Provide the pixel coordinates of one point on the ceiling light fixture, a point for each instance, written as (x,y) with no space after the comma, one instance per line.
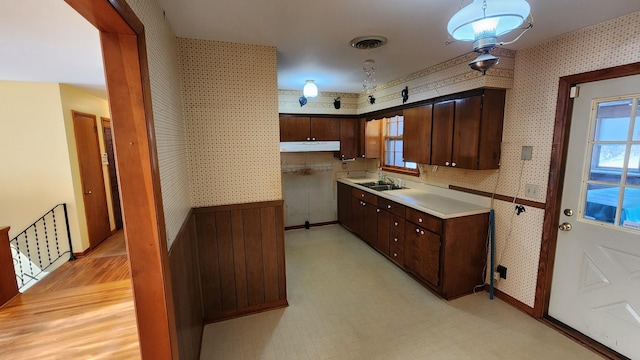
(310,89)
(483,21)
(369,67)
(369,83)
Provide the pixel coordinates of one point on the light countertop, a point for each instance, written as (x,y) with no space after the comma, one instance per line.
(441,206)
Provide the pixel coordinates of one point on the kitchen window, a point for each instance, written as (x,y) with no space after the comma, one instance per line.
(392,159)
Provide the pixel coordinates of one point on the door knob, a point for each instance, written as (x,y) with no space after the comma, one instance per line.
(565,226)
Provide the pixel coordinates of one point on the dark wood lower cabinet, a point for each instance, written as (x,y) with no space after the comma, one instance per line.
(383,231)
(241,256)
(357,216)
(422,253)
(370,225)
(446,255)
(344,205)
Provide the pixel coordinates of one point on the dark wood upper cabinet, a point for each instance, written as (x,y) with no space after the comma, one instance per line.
(417,134)
(491,129)
(442,133)
(325,129)
(306,128)
(295,128)
(348,138)
(467,132)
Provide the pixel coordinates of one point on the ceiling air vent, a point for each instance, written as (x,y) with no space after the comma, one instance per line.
(368,42)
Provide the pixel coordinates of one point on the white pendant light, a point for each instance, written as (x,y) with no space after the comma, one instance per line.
(310,89)
(483,21)
(488,17)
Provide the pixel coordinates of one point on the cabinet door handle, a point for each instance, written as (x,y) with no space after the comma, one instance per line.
(361,195)
(388,206)
(395,254)
(395,239)
(377,210)
(420,220)
(421,232)
(314,139)
(308,138)
(417,230)
(446,163)
(395,223)
(453,164)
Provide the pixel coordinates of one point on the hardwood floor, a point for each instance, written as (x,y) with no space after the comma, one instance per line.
(83,310)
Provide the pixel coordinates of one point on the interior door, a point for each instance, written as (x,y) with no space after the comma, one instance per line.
(113,172)
(94,193)
(596,277)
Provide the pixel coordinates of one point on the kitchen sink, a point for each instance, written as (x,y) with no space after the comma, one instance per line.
(368,184)
(380,187)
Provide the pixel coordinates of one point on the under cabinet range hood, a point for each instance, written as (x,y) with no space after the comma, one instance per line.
(308,146)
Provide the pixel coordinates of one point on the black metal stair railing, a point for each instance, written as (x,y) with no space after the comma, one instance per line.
(42,246)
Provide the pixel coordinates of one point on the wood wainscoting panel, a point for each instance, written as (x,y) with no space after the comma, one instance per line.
(241,254)
(187,294)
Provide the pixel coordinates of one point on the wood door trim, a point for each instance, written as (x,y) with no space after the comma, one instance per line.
(557,168)
(127,75)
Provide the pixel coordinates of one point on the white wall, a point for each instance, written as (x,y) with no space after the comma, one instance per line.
(36,172)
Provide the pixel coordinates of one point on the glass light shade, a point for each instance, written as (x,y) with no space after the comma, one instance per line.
(310,89)
(471,22)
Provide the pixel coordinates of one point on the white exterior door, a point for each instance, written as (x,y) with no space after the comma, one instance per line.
(596,277)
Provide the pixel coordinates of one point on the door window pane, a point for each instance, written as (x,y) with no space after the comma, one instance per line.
(612,121)
(634,158)
(630,216)
(602,202)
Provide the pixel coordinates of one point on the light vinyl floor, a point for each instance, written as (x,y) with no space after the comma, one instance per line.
(346,301)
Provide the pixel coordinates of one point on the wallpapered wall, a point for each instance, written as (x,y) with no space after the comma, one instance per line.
(167,114)
(230,99)
(449,77)
(529,119)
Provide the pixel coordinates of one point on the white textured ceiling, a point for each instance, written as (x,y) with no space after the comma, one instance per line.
(45,40)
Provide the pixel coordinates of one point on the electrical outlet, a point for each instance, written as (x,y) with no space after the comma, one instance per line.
(502,271)
(496,276)
(532,191)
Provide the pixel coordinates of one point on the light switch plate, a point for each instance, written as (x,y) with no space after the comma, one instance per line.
(532,191)
(527,152)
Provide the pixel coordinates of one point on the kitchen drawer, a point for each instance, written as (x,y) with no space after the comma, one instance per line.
(392,207)
(397,255)
(365,196)
(396,239)
(426,221)
(397,224)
